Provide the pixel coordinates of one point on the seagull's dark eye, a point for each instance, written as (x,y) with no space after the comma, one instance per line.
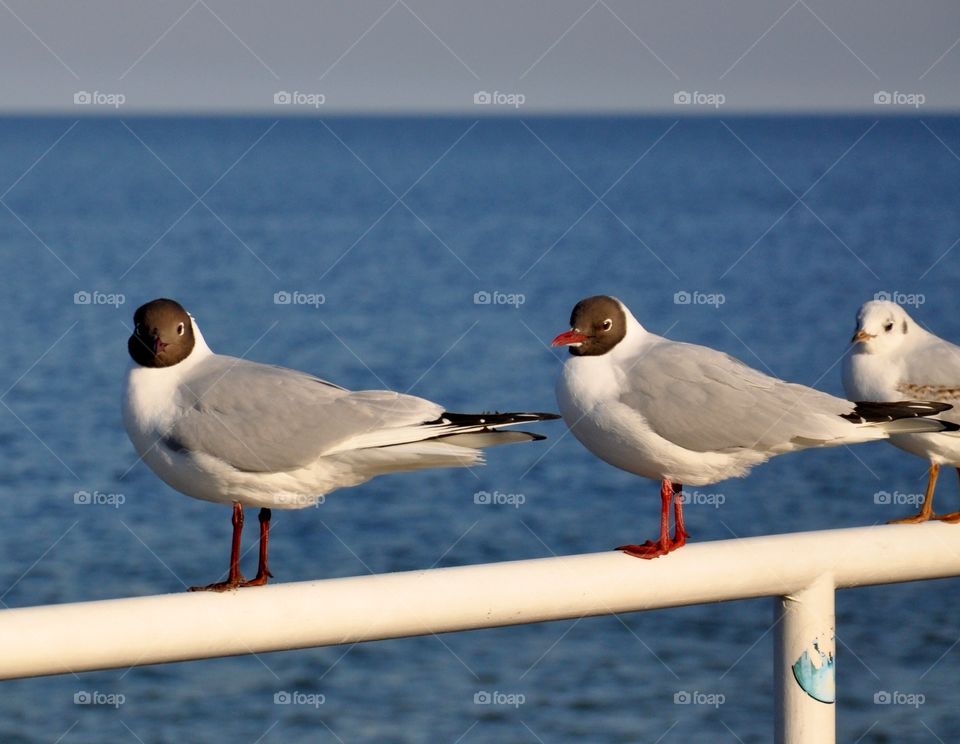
(606,325)
(180,329)
(888,326)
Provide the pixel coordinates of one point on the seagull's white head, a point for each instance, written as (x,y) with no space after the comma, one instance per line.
(883,327)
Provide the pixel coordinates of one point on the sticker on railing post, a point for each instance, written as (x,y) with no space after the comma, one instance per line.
(815,672)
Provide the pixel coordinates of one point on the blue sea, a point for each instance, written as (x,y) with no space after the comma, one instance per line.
(440,257)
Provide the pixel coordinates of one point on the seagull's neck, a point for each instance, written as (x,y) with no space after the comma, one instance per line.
(200,348)
(634,339)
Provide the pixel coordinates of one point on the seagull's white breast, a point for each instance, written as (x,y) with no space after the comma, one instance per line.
(872,377)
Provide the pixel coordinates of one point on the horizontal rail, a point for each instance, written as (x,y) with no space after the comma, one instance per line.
(121,633)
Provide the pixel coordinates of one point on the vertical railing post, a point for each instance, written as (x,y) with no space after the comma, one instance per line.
(804,658)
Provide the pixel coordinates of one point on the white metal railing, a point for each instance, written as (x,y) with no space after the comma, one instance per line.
(800,570)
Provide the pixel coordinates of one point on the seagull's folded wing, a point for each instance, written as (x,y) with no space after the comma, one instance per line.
(707,401)
(260,418)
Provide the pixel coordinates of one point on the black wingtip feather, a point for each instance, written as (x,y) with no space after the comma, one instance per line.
(871,412)
(491,419)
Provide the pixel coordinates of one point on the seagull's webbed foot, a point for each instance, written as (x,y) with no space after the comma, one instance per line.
(670,493)
(952,517)
(915,519)
(258,580)
(650,549)
(223,586)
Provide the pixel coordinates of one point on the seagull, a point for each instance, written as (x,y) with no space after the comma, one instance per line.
(892,358)
(232,431)
(686,414)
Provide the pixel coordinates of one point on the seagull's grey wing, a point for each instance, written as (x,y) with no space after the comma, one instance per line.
(932,372)
(261,418)
(707,401)
(936,363)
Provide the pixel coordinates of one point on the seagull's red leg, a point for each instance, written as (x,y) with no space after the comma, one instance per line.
(664,545)
(680,534)
(263,570)
(952,517)
(235,578)
(926,512)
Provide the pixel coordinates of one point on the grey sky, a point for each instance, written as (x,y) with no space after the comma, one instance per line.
(429,55)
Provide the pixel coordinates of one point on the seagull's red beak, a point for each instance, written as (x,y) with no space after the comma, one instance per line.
(158,345)
(568,338)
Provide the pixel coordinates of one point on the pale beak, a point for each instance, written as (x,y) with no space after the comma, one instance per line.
(861,337)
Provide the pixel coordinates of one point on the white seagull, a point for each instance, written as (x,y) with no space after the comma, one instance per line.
(681,413)
(893,358)
(229,430)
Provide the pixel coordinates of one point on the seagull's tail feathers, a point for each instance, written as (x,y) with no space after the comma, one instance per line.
(901,417)
(454,440)
(466,430)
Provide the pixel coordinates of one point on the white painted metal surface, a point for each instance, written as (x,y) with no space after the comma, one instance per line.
(802,569)
(804,655)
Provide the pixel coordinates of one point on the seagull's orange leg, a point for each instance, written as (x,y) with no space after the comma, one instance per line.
(680,534)
(263,570)
(926,512)
(952,517)
(235,578)
(664,545)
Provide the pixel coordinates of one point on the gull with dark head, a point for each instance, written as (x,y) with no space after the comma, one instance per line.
(232,431)
(686,414)
(893,357)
